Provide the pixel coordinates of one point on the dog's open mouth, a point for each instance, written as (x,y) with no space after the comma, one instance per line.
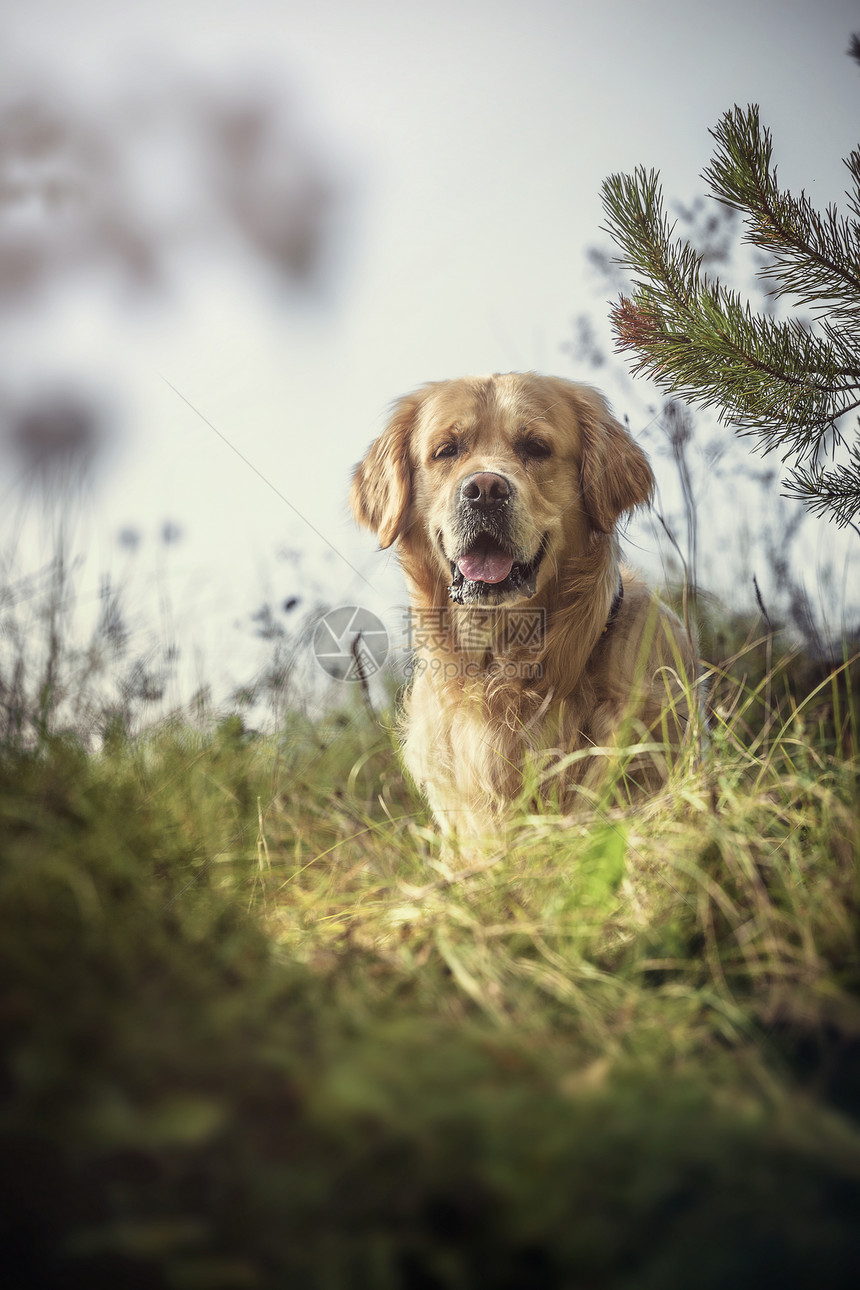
(488,571)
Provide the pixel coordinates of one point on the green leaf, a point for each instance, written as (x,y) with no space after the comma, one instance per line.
(601,867)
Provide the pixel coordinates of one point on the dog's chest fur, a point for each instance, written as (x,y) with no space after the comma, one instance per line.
(473,745)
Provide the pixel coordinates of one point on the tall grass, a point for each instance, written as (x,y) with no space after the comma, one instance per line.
(259,1032)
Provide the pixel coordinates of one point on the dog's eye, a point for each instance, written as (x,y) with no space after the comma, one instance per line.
(450,449)
(535,448)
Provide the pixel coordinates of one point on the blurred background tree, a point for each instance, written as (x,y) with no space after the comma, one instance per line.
(120,202)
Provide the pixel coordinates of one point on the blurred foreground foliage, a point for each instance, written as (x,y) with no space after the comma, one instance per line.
(255,1032)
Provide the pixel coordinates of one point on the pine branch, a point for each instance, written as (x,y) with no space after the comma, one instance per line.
(835,493)
(700,342)
(812,257)
(786,381)
(750,369)
(852,161)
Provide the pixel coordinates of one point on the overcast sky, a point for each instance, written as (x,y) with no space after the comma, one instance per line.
(467,141)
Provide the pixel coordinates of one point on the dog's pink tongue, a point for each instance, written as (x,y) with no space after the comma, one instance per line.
(485,566)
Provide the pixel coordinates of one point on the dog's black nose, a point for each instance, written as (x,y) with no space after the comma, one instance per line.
(485,490)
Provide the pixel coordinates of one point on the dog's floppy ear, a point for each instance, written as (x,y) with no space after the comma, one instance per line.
(382,483)
(616,476)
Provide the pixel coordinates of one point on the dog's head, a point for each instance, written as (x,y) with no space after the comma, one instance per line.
(491,481)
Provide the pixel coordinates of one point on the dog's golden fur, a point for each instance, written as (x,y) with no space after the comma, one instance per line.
(541,463)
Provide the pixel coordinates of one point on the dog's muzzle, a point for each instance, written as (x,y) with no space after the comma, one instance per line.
(489,567)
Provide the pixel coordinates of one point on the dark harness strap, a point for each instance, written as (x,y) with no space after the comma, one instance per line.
(616,605)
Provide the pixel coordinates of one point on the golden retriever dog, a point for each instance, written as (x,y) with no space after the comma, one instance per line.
(535,653)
